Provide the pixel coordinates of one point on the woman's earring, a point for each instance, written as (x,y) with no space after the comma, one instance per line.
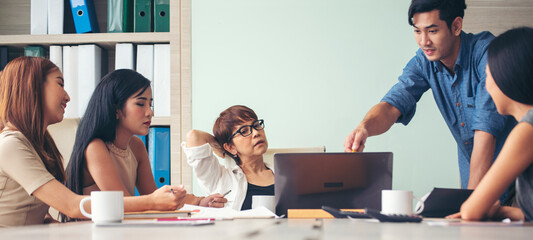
(234,155)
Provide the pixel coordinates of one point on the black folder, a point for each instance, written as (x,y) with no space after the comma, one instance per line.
(441,202)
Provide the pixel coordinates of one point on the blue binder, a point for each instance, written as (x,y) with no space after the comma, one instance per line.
(84,16)
(144,141)
(159,153)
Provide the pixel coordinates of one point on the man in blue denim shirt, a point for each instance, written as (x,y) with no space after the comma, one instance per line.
(451,63)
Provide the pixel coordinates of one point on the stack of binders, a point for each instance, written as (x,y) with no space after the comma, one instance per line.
(82,71)
(153,62)
(138,16)
(151,16)
(58,16)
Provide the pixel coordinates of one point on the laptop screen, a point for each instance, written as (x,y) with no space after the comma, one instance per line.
(340,180)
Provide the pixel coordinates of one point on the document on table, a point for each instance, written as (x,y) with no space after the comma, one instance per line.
(149,223)
(227,213)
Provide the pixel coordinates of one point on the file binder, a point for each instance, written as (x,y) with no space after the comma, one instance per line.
(56,56)
(143,16)
(124,56)
(70,74)
(161,83)
(145,61)
(39,17)
(89,73)
(34,51)
(68,20)
(119,16)
(56,9)
(159,153)
(143,138)
(3,58)
(161,16)
(84,16)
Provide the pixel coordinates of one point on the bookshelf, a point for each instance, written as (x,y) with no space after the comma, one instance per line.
(14,33)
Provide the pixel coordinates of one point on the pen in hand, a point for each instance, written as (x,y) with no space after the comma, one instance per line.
(223,195)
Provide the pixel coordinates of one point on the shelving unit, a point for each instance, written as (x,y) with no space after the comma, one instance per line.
(105,40)
(14,33)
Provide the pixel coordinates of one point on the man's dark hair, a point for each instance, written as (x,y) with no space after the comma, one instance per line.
(448,9)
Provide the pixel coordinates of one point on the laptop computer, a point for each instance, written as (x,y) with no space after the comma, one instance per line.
(339,180)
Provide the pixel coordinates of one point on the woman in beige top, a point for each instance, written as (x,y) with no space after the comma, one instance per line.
(31,171)
(107,155)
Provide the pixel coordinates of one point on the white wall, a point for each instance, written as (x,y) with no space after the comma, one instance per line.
(312,69)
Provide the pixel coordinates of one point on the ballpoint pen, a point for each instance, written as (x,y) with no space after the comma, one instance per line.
(223,195)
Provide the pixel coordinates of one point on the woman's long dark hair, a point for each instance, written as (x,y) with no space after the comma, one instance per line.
(100,118)
(510,59)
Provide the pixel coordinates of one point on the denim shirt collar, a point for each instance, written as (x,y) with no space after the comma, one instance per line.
(463,54)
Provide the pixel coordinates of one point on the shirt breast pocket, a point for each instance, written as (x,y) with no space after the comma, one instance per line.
(469,108)
(471,102)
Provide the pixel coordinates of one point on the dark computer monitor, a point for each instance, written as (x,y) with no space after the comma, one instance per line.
(340,180)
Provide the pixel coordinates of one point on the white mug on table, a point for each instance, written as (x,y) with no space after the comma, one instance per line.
(106,206)
(267,201)
(399,202)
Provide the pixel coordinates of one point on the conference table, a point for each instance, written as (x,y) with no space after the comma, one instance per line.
(308,229)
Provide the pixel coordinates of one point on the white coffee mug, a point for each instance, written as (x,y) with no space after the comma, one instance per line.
(106,206)
(399,202)
(267,201)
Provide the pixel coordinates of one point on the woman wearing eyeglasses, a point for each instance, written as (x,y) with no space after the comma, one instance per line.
(239,134)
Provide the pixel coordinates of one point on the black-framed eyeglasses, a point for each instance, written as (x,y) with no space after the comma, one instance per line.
(246,130)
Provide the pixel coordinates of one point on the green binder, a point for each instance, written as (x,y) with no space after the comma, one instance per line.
(34,51)
(161,16)
(119,15)
(143,16)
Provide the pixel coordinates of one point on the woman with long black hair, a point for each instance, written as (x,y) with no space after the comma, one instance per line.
(107,155)
(510,84)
